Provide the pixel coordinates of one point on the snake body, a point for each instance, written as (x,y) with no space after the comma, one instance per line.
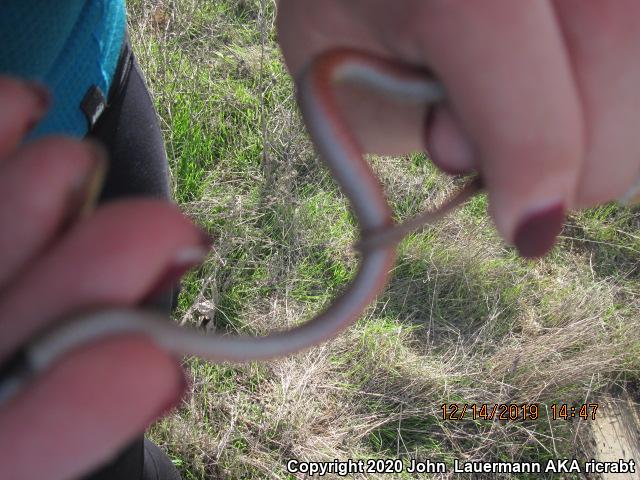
(341,153)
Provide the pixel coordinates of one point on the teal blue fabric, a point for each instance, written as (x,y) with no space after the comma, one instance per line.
(68,45)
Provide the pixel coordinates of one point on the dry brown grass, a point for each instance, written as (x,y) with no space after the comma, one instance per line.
(463,319)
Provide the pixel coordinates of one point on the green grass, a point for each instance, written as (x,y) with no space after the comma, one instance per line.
(463,319)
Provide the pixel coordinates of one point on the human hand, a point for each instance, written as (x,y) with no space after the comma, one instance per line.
(56,260)
(541,96)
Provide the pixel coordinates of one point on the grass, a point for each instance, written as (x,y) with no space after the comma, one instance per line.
(463,319)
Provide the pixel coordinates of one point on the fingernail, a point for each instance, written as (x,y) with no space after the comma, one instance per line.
(43,99)
(95,180)
(84,194)
(42,94)
(537,233)
(186,259)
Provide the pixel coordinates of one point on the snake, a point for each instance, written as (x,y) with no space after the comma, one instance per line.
(379,234)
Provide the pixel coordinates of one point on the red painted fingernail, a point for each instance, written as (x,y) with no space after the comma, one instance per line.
(186,259)
(166,281)
(31,124)
(43,99)
(537,233)
(42,94)
(428,125)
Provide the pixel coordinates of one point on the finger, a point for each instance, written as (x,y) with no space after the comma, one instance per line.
(446,143)
(86,407)
(386,126)
(508,80)
(117,257)
(602,38)
(42,188)
(380,124)
(23,105)
(510,83)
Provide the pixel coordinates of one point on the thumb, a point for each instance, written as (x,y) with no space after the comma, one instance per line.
(509,82)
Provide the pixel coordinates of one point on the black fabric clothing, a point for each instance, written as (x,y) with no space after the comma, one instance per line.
(130,131)
(157,465)
(128,464)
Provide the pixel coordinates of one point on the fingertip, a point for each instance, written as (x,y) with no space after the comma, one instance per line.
(537,232)
(445,143)
(41,95)
(529,205)
(24,104)
(181,393)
